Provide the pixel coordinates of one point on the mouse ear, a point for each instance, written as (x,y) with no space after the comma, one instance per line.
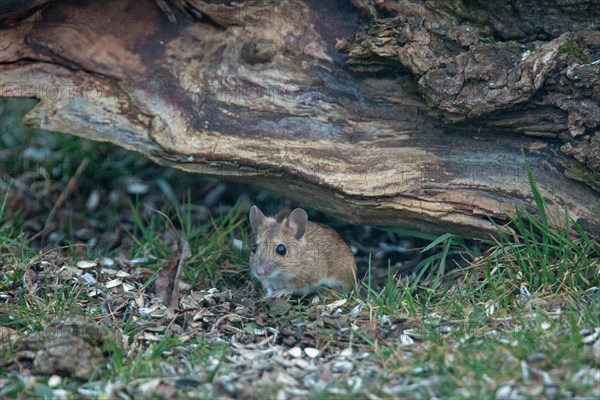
(297,222)
(256,217)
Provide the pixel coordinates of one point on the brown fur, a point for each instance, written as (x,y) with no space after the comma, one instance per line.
(320,256)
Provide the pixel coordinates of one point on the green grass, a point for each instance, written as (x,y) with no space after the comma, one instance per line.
(480,321)
(525,296)
(474,324)
(213,258)
(198,359)
(185,356)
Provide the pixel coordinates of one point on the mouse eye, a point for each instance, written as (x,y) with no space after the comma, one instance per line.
(254,247)
(281,250)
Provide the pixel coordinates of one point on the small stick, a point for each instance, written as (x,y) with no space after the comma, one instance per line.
(63,196)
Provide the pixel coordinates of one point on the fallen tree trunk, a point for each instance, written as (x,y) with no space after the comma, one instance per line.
(262,93)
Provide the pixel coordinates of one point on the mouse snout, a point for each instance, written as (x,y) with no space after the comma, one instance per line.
(263,269)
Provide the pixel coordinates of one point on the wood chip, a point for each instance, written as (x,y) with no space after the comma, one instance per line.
(151,337)
(336,304)
(139,300)
(295,352)
(86,264)
(312,352)
(113,283)
(70,269)
(127,287)
(123,274)
(108,271)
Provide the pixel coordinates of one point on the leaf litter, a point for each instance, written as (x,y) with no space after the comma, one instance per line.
(293,347)
(86,313)
(270,343)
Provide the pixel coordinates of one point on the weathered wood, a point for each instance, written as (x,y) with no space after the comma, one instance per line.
(547,89)
(259,93)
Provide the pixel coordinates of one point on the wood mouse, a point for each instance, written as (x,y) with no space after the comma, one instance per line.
(297,256)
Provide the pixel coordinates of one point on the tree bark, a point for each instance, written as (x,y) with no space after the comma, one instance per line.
(388,114)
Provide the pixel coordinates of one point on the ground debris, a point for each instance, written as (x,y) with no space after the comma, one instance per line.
(167,283)
(71,346)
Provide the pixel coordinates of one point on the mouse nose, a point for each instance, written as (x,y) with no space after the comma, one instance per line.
(263,269)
